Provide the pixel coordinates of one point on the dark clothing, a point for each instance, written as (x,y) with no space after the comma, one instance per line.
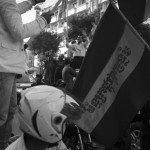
(145,117)
(145,114)
(77,62)
(58,74)
(50,67)
(67,75)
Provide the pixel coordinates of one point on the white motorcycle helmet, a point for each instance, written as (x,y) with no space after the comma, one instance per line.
(43,111)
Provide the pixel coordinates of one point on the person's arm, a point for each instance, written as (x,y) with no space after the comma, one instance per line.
(86,41)
(25,6)
(69,53)
(10,13)
(67,43)
(71,47)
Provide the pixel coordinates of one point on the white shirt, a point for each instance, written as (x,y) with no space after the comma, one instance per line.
(78,49)
(13,32)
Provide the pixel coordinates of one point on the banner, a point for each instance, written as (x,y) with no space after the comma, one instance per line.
(136,11)
(114,80)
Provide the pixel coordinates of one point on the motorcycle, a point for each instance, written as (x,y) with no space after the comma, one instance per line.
(140,129)
(77,139)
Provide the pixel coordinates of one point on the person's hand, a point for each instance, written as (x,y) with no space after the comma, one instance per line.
(47,16)
(37,1)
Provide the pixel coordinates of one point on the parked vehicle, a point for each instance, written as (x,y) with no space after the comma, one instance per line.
(136,132)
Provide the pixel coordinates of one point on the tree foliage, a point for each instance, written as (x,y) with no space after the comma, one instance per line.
(78,23)
(45,42)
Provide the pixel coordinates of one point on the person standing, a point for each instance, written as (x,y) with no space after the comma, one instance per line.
(58,70)
(79,50)
(68,73)
(12,57)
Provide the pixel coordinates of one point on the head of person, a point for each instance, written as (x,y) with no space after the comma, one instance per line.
(67,61)
(61,60)
(43,111)
(79,39)
(61,64)
(61,57)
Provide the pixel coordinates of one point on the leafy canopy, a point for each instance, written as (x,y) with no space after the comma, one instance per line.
(79,23)
(45,42)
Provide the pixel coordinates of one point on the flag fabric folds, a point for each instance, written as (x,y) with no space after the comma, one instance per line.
(136,11)
(114,80)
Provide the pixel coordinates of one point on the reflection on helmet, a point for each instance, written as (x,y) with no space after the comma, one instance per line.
(43,111)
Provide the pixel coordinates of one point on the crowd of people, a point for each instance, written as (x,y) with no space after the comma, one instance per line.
(13,32)
(42,110)
(62,71)
(65,74)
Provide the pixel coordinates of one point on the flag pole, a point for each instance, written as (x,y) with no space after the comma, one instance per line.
(67,18)
(55,6)
(130,26)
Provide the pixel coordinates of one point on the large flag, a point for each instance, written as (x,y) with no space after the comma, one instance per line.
(137,11)
(114,80)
